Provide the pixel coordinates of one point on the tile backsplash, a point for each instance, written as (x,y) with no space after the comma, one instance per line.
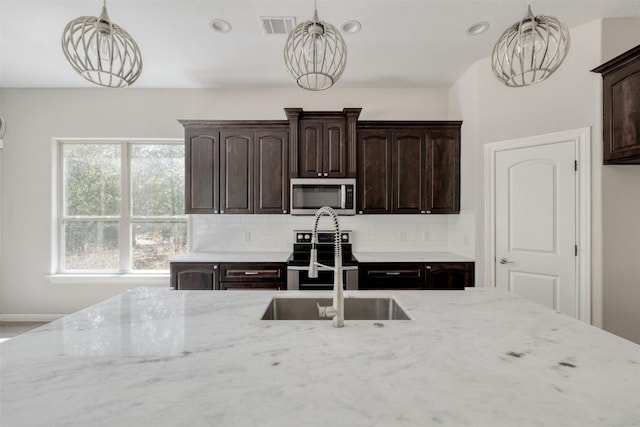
(371,233)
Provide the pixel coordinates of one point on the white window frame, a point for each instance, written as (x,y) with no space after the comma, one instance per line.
(124,275)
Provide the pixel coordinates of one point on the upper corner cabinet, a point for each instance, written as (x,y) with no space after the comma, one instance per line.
(621,108)
(323,144)
(409,167)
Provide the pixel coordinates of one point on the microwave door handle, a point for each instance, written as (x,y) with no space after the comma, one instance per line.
(343,194)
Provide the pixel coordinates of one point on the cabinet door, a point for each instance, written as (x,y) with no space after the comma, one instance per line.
(456,275)
(621,118)
(409,169)
(193,276)
(443,164)
(236,171)
(322,149)
(271,186)
(334,150)
(374,172)
(201,172)
(310,149)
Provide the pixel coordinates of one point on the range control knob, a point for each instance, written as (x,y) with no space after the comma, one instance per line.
(307,237)
(345,237)
(299,237)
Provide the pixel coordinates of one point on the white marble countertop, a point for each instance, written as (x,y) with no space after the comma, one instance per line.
(479,357)
(410,257)
(216,257)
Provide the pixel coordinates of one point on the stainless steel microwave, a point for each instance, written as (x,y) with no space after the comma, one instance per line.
(310,194)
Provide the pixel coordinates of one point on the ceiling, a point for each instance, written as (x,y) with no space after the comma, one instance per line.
(402,44)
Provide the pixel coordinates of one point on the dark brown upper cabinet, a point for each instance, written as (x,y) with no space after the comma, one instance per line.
(236,171)
(408,167)
(323,144)
(374,173)
(621,108)
(236,167)
(443,170)
(202,178)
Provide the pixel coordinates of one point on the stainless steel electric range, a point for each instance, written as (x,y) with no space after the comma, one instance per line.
(298,262)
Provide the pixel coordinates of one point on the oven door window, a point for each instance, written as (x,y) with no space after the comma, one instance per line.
(316,196)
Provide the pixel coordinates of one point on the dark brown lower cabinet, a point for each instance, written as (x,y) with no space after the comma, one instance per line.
(406,275)
(253,275)
(390,276)
(226,276)
(454,275)
(194,276)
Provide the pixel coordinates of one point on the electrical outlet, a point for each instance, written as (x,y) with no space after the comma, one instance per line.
(403,236)
(246,236)
(426,236)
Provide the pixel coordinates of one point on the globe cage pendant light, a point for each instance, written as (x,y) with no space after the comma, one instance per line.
(531,50)
(101,51)
(315,54)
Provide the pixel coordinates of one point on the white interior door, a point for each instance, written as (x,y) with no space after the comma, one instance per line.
(535,224)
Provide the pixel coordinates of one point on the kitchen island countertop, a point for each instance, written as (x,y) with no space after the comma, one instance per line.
(478,357)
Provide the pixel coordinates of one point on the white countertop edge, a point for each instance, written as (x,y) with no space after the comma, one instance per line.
(217,257)
(161,279)
(410,256)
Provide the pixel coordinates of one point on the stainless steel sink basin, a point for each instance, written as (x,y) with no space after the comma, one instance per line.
(354,309)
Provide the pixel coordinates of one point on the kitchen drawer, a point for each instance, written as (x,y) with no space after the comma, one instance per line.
(230,286)
(252,272)
(391,276)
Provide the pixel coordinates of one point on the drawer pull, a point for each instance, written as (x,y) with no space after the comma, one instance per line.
(392,273)
(251,273)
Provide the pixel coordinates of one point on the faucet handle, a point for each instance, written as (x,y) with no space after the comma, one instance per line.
(326,312)
(313,267)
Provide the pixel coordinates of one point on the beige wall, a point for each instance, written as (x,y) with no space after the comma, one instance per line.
(38,115)
(621,215)
(570,99)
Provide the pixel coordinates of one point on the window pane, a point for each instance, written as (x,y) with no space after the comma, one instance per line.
(91,245)
(155,243)
(91,179)
(157,179)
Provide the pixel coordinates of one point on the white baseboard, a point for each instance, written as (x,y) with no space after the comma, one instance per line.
(29,317)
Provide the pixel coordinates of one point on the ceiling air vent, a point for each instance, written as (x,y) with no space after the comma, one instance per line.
(277,25)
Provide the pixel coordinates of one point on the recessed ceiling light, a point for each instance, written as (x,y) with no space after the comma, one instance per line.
(477,28)
(351,27)
(220,25)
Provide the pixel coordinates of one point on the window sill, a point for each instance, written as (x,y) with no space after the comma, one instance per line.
(110,279)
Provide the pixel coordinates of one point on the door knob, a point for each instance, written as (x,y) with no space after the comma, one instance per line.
(503,260)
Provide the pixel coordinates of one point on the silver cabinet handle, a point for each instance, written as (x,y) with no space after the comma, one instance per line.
(392,273)
(251,273)
(326,174)
(319,173)
(503,260)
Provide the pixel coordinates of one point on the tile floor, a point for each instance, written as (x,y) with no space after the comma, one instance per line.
(9,330)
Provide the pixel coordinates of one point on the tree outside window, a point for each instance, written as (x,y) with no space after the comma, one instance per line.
(121,206)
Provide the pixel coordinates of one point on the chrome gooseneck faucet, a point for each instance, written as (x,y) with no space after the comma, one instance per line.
(336,311)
